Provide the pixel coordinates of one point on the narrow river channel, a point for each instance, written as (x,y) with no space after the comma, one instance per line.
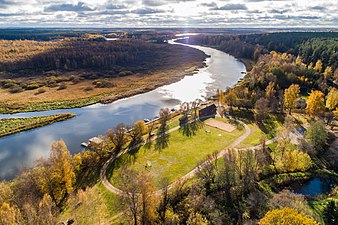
(20,150)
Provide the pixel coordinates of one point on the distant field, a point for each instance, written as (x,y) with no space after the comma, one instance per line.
(182,154)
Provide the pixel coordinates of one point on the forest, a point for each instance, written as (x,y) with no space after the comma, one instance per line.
(312,46)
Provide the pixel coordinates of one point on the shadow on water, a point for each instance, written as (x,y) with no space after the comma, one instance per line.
(314,187)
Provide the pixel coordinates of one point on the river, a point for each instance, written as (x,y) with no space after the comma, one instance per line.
(21,150)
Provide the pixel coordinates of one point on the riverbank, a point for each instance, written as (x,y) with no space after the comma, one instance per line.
(16,125)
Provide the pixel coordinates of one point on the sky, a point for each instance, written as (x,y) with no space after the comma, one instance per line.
(169,13)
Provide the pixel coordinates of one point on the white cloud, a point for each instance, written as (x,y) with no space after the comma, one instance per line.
(168,13)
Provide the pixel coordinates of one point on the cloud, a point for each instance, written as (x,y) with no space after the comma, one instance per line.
(69,7)
(145,11)
(231,7)
(211,5)
(6,3)
(318,8)
(167,13)
(275,11)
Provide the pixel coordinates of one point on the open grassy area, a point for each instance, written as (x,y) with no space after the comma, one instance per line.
(270,128)
(15,125)
(254,138)
(181,156)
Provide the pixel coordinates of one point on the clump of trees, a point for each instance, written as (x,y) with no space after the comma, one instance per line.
(286,216)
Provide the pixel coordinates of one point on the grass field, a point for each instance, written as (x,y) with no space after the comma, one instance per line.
(15,125)
(181,156)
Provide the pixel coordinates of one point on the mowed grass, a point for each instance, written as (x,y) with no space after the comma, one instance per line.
(181,156)
(254,138)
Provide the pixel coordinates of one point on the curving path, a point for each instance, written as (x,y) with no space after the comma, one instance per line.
(189,175)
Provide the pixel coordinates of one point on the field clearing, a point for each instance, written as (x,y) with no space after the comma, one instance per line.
(180,157)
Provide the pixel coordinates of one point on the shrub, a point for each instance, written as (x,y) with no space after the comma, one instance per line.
(88,89)
(40,91)
(32,86)
(8,85)
(62,86)
(125,73)
(103,84)
(16,89)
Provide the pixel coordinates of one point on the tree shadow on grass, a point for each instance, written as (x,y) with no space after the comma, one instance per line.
(162,141)
(190,129)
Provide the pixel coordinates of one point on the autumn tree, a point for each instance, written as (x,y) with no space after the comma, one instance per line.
(327,73)
(270,94)
(286,216)
(332,99)
(231,99)
(315,103)
(56,176)
(118,137)
(136,133)
(10,215)
(291,95)
(319,66)
(317,135)
(286,198)
(261,109)
(139,196)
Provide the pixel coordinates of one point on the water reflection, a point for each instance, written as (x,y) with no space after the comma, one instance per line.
(21,150)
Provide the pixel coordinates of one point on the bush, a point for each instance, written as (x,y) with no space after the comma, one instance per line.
(125,73)
(8,85)
(103,84)
(40,91)
(88,89)
(32,86)
(16,89)
(62,86)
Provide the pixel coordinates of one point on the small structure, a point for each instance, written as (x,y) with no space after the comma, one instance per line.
(207,112)
(94,140)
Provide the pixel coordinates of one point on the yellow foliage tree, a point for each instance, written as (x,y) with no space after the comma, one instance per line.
(315,103)
(56,177)
(332,99)
(319,65)
(328,72)
(286,216)
(290,97)
(10,215)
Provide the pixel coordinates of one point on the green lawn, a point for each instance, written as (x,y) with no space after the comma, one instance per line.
(254,138)
(269,128)
(182,154)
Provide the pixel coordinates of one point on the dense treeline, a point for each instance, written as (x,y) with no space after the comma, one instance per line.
(285,41)
(253,45)
(72,55)
(37,34)
(231,44)
(322,49)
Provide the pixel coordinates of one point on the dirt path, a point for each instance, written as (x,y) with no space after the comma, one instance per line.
(189,175)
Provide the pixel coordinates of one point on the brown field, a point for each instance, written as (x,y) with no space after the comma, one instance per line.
(124,86)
